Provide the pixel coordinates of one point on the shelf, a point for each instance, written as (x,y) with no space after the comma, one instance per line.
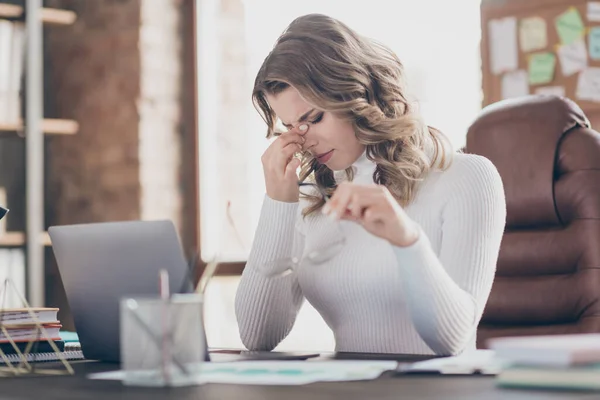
(16,239)
(49,126)
(49,15)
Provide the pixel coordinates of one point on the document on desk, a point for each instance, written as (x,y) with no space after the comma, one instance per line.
(481,362)
(279,372)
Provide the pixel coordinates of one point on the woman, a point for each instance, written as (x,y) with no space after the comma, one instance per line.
(401,257)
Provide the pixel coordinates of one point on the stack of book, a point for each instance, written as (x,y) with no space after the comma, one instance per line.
(23,328)
(552,361)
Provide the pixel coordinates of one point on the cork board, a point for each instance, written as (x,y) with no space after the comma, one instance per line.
(567,76)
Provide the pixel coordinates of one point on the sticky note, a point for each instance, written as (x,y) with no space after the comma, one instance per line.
(588,85)
(532,34)
(569,26)
(541,68)
(514,84)
(551,90)
(593,11)
(503,44)
(573,57)
(594,43)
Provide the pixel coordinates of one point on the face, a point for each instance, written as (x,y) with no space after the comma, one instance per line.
(331,140)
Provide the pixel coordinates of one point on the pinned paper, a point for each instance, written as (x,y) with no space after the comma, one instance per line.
(588,85)
(593,11)
(573,58)
(551,90)
(569,26)
(541,68)
(594,43)
(514,84)
(503,44)
(532,34)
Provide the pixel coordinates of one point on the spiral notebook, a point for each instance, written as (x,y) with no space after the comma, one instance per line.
(72,351)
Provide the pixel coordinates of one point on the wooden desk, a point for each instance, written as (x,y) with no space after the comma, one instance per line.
(417,387)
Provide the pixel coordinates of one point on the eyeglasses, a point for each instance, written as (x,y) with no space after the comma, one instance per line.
(327,249)
(332,244)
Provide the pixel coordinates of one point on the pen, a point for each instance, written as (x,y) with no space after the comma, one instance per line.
(163,282)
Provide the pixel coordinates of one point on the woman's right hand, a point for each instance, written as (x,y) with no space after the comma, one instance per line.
(280,165)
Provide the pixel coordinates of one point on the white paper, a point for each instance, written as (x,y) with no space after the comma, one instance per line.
(532,34)
(503,44)
(547,350)
(593,11)
(588,85)
(551,90)
(515,84)
(480,361)
(573,57)
(277,372)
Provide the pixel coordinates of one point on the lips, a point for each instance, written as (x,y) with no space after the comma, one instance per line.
(324,157)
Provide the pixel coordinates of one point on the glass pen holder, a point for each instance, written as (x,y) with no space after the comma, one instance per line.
(162,340)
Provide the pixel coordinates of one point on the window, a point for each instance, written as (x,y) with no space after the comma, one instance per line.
(437,40)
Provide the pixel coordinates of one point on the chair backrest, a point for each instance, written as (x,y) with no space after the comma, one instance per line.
(548,273)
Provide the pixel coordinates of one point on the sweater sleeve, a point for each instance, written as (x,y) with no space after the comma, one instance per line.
(446,295)
(266,306)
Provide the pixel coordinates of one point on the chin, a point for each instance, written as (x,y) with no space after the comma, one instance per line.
(334,165)
(340,161)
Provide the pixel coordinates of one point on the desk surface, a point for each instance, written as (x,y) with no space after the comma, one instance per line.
(421,387)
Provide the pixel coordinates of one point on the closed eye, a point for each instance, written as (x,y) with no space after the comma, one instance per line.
(318,118)
(315,120)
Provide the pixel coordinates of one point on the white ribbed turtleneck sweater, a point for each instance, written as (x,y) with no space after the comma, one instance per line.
(425,298)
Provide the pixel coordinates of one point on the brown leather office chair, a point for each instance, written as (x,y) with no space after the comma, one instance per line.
(548,273)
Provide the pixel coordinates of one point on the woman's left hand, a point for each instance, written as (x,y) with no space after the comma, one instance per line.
(374,207)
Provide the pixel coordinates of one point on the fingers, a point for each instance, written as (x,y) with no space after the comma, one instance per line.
(347,199)
(336,207)
(286,138)
(288,151)
(292,166)
(360,202)
(351,201)
(286,155)
(302,129)
(288,144)
(373,215)
(349,217)
(280,153)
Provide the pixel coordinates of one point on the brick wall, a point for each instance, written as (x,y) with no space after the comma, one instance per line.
(93,73)
(119,71)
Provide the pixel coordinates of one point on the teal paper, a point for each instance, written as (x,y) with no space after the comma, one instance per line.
(569,26)
(594,40)
(68,336)
(541,68)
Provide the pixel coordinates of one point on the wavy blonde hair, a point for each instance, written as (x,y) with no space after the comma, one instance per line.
(360,81)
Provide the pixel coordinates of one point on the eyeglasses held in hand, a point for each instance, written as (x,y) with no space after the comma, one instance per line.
(325,251)
(333,243)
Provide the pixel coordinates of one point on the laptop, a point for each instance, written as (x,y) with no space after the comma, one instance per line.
(101,263)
